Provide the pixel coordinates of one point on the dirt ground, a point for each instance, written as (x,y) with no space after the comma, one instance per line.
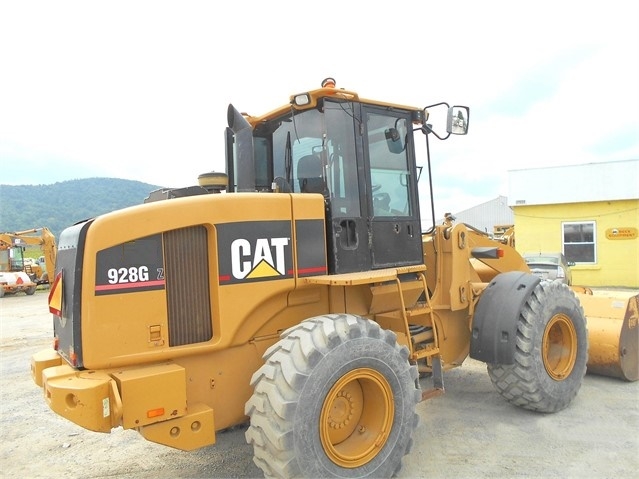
(469,432)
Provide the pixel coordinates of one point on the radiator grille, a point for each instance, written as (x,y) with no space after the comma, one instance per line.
(187,283)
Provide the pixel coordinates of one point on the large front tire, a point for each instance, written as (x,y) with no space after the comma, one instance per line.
(336,397)
(551,351)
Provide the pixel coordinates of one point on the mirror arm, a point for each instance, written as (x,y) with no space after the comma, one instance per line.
(426,129)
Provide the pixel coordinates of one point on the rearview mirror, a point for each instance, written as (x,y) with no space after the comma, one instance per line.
(394,140)
(457,121)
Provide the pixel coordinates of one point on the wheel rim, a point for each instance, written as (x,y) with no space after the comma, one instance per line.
(559,348)
(357,417)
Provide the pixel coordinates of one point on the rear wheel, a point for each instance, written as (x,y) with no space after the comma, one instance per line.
(336,397)
(551,351)
(30,290)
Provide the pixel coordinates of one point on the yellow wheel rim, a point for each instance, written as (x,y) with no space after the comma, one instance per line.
(356,417)
(559,347)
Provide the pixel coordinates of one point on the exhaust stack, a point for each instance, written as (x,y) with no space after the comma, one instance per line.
(243,150)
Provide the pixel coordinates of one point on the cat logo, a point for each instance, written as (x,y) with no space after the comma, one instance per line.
(255,251)
(265,258)
(263,250)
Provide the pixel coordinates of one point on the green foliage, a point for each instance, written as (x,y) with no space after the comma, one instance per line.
(64,203)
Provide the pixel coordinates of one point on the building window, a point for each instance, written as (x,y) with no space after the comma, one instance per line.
(579,242)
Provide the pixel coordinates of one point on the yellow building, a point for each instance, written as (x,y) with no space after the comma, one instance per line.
(589,212)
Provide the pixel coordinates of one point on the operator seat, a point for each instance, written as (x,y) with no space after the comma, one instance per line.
(310,174)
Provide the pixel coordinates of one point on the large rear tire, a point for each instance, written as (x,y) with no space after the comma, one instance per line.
(336,397)
(551,351)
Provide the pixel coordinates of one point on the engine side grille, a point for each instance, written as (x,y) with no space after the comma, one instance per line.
(187,283)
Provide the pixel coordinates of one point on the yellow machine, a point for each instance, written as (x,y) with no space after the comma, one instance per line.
(16,274)
(305,299)
(504,234)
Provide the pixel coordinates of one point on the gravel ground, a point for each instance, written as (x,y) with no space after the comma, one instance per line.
(469,432)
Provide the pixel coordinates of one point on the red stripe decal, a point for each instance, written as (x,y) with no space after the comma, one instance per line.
(140,284)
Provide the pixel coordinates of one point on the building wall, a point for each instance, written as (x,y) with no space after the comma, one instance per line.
(539,228)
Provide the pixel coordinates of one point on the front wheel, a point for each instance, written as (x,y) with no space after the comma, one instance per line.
(551,351)
(336,397)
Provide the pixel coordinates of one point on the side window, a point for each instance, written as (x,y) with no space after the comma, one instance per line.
(579,242)
(388,165)
(308,166)
(297,147)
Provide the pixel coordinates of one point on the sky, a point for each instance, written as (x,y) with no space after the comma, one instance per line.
(139,89)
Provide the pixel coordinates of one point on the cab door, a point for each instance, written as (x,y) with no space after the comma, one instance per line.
(348,245)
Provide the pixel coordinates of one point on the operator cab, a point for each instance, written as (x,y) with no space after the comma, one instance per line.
(357,153)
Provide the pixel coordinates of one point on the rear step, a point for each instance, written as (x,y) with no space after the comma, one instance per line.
(438,380)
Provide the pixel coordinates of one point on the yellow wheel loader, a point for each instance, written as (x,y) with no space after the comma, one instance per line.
(298,292)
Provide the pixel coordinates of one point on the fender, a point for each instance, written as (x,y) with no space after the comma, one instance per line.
(494,325)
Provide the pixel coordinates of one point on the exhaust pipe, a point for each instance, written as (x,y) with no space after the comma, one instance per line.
(613,335)
(243,150)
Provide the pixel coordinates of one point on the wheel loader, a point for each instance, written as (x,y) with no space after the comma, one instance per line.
(298,293)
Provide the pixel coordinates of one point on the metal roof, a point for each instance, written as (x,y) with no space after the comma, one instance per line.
(606,181)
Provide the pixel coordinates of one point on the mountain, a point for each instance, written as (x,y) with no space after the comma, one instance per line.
(64,203)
